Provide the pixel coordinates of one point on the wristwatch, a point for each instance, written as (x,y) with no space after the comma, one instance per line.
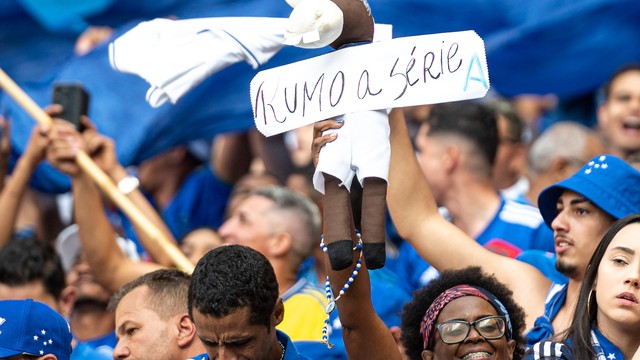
(128,184)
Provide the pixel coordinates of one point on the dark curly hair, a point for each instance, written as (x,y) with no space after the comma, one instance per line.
(230,278)
(413,311)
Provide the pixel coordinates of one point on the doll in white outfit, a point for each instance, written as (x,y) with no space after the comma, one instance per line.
(362,148)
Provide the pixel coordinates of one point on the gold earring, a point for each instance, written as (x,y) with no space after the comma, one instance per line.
(589,305)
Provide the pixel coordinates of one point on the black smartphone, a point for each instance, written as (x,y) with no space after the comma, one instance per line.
(74,99)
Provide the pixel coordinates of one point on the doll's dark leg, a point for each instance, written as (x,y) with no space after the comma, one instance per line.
(336,213)
(374,196)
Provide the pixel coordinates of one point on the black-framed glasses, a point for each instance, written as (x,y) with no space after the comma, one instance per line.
(456,331)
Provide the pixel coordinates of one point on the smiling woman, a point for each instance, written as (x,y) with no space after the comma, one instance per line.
(463,314)
(609,296)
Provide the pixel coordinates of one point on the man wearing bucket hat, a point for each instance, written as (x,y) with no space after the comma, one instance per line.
(579,209)
(29,327)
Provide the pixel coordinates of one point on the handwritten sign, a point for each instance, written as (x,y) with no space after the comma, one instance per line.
(406,71)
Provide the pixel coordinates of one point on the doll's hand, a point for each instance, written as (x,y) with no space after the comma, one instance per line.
(319,139)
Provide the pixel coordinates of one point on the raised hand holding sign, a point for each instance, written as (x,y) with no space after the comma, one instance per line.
(359,84)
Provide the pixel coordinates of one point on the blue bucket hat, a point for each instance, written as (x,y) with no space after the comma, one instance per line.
(606,180)
(31,327)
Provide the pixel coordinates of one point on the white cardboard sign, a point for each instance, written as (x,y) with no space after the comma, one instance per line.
(400,72)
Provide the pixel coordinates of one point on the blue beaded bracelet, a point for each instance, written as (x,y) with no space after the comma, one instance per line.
(331,301)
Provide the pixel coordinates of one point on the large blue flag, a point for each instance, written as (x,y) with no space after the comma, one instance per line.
(119,110)
(564,47)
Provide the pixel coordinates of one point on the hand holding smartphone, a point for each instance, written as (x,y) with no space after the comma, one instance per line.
(74,100)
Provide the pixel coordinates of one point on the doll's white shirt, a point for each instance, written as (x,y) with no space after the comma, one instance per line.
(362,148)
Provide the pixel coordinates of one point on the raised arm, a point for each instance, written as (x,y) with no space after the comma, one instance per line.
(438,241)
(97,237)
(12,193)
(231,156)
(102,151)
(365,335)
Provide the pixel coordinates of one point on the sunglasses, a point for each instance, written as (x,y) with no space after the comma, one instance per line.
(456,331)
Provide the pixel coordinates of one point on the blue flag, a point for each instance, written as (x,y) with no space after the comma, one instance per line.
(564,47)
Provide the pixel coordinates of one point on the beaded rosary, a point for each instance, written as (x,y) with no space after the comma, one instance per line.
(331,301)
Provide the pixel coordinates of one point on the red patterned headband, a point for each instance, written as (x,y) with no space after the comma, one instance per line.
(428,323)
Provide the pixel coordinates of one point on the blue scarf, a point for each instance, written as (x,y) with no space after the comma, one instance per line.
(549,349)
(542,328)
(603,347)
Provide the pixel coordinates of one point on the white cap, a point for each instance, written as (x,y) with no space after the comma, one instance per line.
(68,246)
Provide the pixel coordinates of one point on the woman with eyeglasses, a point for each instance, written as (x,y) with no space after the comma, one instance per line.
(606,323)
(461,315)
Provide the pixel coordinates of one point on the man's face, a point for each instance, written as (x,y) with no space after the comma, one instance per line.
(199,242)
(250,224)
(510,156)
(431,157)
(578,229)
(81,277)
(141,333)
(619,116)
(234,337)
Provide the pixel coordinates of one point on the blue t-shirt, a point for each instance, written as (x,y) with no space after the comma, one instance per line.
(97,349)
(200,202)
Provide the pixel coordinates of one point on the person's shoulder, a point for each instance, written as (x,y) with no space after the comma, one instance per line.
(545,262)
(304,291)
(521,214)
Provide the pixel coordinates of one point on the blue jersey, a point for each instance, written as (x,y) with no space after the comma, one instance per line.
(516,227)
(96,349)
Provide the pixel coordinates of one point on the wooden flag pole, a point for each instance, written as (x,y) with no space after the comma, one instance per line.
(101,179)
